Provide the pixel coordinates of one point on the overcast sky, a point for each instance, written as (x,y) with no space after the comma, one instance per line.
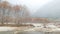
(33,5)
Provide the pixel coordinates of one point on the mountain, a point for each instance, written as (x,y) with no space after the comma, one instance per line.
(51,10)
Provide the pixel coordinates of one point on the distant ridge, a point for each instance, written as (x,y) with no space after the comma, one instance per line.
(51,10)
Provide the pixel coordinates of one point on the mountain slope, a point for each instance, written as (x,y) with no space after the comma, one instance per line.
(49,10)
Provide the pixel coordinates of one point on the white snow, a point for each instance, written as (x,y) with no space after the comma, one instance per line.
(7,28)
(38,25)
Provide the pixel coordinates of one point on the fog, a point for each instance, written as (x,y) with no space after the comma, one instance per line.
(33,5)
(40,8)
(51,10)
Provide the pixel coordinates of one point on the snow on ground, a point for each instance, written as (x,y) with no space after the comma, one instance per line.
(51,27)
(38,27)
(7,28)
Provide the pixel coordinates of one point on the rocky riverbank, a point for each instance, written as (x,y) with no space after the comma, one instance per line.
(50,27)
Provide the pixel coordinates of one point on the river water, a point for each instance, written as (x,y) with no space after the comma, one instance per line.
(10,32)
(7,32)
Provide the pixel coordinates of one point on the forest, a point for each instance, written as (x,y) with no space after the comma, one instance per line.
(17,14)
(12,13)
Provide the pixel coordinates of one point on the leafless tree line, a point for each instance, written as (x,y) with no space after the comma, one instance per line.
(12,13)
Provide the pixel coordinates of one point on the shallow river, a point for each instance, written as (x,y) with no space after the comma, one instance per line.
(22,32)
(6,32)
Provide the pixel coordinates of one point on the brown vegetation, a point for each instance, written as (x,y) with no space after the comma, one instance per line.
(11,14)
(17,14)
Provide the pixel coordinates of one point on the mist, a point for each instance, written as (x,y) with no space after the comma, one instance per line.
(40,8)
(33,5)
(50,10)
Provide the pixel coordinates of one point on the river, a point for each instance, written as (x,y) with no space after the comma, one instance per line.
(10,32)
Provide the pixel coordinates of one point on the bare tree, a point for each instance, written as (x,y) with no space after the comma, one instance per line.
(3,9)
(10,13)
(24,11)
